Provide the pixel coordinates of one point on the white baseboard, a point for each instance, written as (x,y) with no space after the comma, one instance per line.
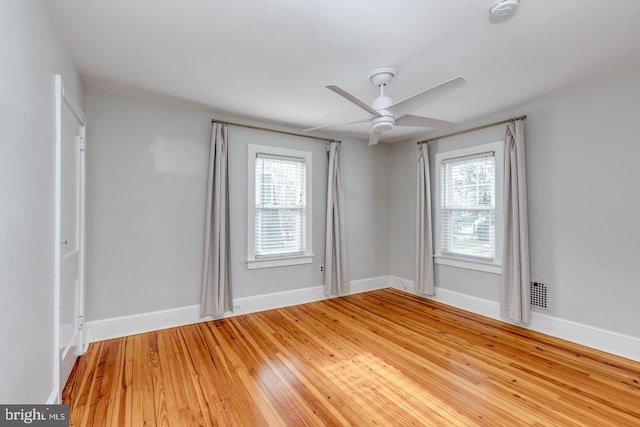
(53,398)
(365,285)
(99,330)
(115,327)
(600,339)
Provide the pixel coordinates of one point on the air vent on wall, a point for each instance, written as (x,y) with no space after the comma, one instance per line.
(539,295)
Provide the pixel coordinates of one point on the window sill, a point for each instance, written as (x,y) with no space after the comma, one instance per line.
(469,264)
(279,261)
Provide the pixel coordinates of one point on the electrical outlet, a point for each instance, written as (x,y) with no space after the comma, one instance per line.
(322,269)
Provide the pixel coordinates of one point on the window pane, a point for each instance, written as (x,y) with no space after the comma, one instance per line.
(279,231)
(468,232)
(468,206)
(469,182)
(280,206)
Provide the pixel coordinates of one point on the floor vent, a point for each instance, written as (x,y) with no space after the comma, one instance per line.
(539,295)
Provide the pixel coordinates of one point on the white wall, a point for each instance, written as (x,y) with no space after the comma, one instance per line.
(146,172)
(146,165)
(582,156)
(402,227)
(32,52)
(365,175)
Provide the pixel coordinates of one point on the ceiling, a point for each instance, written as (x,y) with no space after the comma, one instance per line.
(270,59)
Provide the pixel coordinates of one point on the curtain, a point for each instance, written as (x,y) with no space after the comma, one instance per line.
(424,276)
(215,298)
(335,273)
(514,301)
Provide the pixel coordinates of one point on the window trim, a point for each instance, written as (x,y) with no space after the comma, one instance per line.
(471,263)
(278,260)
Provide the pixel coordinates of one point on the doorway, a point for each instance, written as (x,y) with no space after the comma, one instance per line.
(69,242)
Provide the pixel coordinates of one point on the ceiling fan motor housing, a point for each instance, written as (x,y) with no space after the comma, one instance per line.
(381,103)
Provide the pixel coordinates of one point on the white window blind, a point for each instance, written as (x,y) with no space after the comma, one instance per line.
(468,207)
(280,203)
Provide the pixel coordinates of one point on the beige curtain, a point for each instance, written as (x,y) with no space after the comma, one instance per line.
(515,303)
(424,276)
(216,298)
(336,281)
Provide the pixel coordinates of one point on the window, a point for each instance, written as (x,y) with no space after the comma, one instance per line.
(469,207)
(279,207)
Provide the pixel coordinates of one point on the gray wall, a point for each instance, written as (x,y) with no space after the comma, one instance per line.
(146,165)
(582,151)
(32,52)
(146,179)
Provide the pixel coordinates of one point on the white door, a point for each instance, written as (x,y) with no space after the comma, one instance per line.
(70,200)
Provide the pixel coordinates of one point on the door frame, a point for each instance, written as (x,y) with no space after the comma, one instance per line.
(60,99)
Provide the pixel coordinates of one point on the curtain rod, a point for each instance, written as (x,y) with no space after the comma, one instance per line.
(275,131)
(513,119)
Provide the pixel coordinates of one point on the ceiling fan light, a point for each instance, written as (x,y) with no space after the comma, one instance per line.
(502,10)
(382,124)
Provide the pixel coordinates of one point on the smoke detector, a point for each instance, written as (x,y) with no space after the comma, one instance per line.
(502,10)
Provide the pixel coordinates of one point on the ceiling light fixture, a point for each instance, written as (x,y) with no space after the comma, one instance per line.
(502,10)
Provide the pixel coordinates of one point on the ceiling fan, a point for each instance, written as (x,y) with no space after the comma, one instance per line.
(385,113)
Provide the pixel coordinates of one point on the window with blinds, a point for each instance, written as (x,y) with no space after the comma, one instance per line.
(280,205)
(468,188)
(468,217)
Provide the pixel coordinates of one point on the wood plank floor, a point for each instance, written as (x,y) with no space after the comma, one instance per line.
(382,358)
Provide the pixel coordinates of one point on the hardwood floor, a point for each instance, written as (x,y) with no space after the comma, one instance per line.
(382,358)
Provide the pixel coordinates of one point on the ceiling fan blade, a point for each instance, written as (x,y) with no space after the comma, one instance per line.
(426,122)
(416,101)
(374,138)
(340,124)
(346,95)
